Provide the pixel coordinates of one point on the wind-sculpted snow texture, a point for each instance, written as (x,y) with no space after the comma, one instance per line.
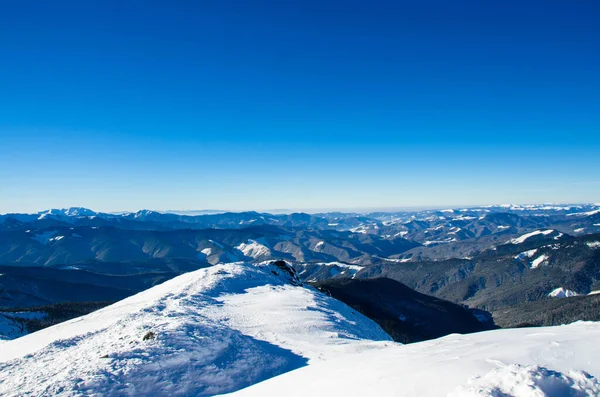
(530,381)
(211,331)
(529,362)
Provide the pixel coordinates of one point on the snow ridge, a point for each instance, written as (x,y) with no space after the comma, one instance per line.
(523,238)
(211,331)
(254,249)
(562,293)
(527,381)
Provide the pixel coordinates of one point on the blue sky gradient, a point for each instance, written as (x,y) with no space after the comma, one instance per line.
(238,105)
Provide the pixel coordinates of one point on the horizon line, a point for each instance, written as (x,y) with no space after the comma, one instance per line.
(316,210)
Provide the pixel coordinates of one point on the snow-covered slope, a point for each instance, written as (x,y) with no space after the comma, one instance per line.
(528,362)
(525,237)
(221,329)
(211,331)
(254,249)
(538,261)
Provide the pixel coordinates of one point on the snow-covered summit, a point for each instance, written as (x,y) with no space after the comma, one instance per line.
(211,331)
(562,293)
(142,214)
(78,211)
(66,212)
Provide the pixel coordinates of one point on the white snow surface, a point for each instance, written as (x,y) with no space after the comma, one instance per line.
(403,260)
(526,254)
(254,249)
(521,239)
(216,330)
(354,268)
(426,243)
(335,268)
(558,236)
(593,244)
(527,362)
(590,213)
(538,261)
(562,293)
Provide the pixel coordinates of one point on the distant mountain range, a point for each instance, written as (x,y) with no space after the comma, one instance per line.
(77,236)
(380,223)
(494,258)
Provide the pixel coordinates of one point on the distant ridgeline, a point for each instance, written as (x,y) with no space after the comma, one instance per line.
(526,265)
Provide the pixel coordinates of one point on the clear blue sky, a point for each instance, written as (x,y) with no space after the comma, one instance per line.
(121,105)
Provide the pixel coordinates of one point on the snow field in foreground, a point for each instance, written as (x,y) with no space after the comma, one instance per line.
(528,362)
(212,331)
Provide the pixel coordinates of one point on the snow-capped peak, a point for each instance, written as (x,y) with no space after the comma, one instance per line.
(142,213)
(524,237)
(562,293)
(66,212)
(78,211)
(254,249)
